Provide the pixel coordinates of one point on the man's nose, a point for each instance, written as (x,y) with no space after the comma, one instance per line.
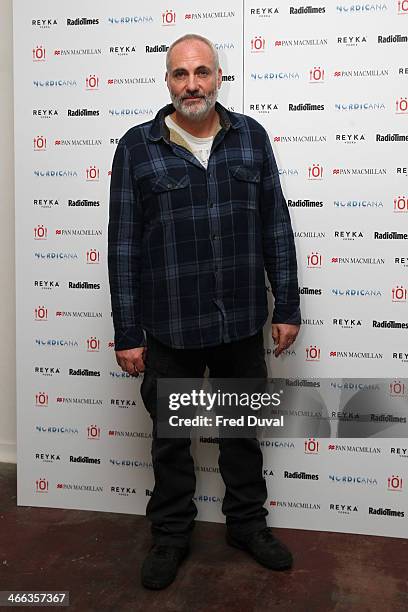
(192,83)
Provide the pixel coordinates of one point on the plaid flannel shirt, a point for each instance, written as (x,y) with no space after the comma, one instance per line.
(188,247)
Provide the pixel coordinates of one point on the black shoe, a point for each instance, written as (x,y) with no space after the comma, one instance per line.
(264,548)
(160,567)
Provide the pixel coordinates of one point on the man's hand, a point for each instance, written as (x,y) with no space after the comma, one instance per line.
(283,336)
(131,360)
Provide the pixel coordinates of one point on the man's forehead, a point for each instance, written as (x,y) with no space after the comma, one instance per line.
(190,53)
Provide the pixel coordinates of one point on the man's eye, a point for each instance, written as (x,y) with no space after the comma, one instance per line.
(203,72)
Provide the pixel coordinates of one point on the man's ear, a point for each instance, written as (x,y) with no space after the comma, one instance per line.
(219,77)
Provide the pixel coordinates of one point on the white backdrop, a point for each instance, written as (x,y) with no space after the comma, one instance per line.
(329,82)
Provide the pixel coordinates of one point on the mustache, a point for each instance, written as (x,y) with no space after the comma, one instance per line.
(189,96)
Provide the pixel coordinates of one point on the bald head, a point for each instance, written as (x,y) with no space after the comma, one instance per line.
(188,41)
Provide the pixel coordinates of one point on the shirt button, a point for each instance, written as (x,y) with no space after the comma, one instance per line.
(211,204)
(215,236)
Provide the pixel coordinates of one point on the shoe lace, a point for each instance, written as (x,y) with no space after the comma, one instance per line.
(266,535)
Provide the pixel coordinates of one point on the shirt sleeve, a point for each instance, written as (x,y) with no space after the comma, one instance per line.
(124,252)
(278,243)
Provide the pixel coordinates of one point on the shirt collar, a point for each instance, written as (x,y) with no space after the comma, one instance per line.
(160,130)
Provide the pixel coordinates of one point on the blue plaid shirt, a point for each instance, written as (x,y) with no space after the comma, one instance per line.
(188,246)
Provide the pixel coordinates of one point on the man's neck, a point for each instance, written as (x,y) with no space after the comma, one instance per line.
(200,129)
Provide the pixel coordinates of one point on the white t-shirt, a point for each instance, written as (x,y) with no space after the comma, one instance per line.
(201,147)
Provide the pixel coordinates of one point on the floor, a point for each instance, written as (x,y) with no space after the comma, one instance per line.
(96,556)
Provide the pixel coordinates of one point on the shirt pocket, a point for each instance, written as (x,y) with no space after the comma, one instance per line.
(245,181)
(167,196)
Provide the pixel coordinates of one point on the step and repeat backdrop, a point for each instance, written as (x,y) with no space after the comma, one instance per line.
(329,81)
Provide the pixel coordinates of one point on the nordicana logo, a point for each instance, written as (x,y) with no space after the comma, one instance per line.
(357,204)
(56,83)
(356,292)
(351,41)
(130,112)
(357,8)
(136,19)
(82,21)
(306,10)
(392,38)
(306,106)
(305,203)
(391,137)
(348,479)
(360,106)
(275,76)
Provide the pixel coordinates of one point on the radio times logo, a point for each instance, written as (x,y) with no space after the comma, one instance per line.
(82,21)
(392,38)
(82,112)
(307,10)
(305,203)
(305,106)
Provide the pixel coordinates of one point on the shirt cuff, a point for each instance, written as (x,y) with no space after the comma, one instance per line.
(129,338)
(286,313)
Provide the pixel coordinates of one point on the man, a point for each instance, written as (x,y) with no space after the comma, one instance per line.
(196,216)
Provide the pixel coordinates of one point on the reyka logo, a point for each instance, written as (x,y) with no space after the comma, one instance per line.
(312,353)
(351,41)
(263,11)
(46,284)
(263,109)
(347,234)
(315,172)
(44,24)
(316,75)
(40,232)
(122,50)
(47,457)
(350,138)
(314,260)
(347,323)
(46,113)
(39,54)
(359,8)
(344,508)
(401,106)
(123,491)
(45,371)
(402,261)
(401,204)
(168,18)
(258,44)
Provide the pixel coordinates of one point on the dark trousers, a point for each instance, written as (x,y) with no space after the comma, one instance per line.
(171,508)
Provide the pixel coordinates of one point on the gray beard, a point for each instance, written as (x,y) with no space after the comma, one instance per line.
(195,114)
